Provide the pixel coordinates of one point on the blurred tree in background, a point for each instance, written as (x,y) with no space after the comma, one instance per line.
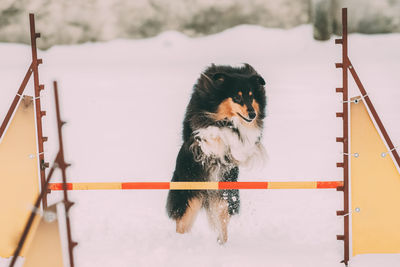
(364,16)
(77,21)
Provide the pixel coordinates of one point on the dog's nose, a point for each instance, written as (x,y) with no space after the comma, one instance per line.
(252,115)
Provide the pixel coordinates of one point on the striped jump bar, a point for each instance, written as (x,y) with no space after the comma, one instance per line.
(198,185)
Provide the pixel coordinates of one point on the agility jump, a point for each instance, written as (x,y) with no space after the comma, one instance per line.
(372,156)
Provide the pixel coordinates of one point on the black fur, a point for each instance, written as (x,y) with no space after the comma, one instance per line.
(216,84)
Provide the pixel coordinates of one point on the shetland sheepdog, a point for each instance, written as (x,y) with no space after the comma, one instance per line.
(222,132)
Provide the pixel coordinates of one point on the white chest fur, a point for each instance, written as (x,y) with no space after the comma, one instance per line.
(224,142)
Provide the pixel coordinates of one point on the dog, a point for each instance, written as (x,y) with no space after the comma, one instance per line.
(222,131)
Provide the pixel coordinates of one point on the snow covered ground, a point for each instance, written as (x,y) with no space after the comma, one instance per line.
(124,102)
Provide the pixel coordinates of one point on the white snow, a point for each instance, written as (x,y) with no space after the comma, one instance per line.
(124,102)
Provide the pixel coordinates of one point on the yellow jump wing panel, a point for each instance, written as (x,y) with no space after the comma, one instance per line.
(19,180)
(45,249)
(375,189)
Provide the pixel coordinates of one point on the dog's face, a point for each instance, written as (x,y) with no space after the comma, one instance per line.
(225,93)
(242,96)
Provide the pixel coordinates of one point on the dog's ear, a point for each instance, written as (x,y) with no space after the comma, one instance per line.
(258,79)
(249,68)
(219,78)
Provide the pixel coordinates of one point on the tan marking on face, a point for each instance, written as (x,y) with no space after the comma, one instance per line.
(229,109)
(225,109)
(240,93)
(253,123)
(256,107)
(240,109)
(243,111)
(250,93)
(184,224)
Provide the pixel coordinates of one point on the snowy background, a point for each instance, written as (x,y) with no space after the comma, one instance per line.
(124,102)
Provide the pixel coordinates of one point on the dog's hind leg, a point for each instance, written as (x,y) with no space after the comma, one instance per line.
(218,216)
(185,223)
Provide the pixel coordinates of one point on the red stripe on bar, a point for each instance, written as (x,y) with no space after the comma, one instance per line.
(59,186)
(145,185)
(242,185)
(329,184)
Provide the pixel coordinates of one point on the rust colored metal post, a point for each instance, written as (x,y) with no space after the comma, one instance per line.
(35,63)
(15,101)
(345,139)
(374,114)
(63,166)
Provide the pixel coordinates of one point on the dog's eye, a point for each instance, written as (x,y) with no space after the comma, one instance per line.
(237,98)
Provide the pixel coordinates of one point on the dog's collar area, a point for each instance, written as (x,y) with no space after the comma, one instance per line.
(229,124)
(225,123)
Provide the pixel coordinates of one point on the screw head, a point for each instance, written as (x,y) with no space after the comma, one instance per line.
(356,155)
(356,101)
(357,209)
(49,216)
(383,154)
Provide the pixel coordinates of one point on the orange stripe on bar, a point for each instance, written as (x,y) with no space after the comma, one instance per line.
(198,185)
(96,186)
(292,185)
(146,185)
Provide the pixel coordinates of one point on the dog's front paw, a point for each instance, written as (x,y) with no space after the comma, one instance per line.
(222,240)
(210,141)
